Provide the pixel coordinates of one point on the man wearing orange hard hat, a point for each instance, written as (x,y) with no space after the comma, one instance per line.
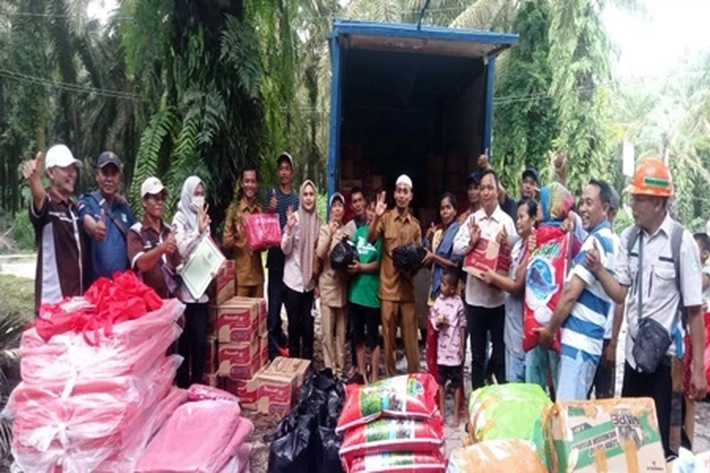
(659,269)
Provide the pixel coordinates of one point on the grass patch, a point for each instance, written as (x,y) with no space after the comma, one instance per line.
(17,297)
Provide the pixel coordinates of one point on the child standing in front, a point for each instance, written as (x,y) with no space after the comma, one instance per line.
(448,318)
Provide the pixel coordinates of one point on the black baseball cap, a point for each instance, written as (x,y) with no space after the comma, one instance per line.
(474,178)
(109,157)
(285,157)
(532,172)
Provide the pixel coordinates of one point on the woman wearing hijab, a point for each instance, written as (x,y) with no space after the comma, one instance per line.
(299,244)
(191,223)
(440,254)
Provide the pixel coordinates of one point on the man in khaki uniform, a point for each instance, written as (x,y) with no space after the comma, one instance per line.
(332,286)
(248,268)
(397,227)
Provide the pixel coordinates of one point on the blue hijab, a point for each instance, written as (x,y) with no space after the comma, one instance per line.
(444,250)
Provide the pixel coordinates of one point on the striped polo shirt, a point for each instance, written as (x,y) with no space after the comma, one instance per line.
(275,258)
(584,328)
(60,245)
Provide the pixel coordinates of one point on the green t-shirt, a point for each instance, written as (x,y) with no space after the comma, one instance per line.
(364,287)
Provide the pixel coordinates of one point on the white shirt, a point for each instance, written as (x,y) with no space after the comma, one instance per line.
(660,295)
(478,293)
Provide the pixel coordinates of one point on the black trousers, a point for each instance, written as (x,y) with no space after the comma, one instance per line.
(300,324)
(604,378)
(192,346)
(276,298)
(659,386)
(480,321)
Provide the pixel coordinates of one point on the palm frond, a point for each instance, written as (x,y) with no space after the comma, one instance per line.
(240,50)
(481,15)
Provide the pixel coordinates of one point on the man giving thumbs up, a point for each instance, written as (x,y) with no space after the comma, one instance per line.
(55,219)
(106,217)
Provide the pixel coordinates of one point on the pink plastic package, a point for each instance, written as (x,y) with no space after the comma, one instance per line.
(201,392)
(263,231)
(199,437)
(239,463)
(133,347)
(83,426)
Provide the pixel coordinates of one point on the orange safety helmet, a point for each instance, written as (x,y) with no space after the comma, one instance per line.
(652,178)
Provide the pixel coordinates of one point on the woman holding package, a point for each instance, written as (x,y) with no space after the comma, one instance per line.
(192,223)
(440,255)
(514,286)
(332,286)
(299,244)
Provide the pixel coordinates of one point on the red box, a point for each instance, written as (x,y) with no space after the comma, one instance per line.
(239,360)
(276,389)
(246,390)
(236,321)
(289,367)
(487,254)
(223,284)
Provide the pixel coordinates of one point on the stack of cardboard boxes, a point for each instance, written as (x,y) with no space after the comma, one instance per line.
(238,352)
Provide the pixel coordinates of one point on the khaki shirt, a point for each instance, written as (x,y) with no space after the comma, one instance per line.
(331,283)
(248,267)
(395,230)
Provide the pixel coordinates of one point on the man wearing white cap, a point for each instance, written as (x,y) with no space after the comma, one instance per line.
(398,302)
(151,244)
(53,214)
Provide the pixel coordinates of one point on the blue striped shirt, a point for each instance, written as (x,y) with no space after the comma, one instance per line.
(584,328)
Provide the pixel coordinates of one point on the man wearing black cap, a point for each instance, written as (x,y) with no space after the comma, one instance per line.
(278,200)
(106,217)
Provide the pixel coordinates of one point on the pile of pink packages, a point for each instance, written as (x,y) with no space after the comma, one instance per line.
(106,402)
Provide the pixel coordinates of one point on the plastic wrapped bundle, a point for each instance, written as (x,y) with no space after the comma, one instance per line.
(132,347)
(343,254)
(263,231)
(401,462)
(510,456)
(408,257)
(84,426)
(201,436)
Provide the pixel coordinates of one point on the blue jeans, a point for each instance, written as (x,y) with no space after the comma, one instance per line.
(575,376)
(276,295)
(539,363)
(514,367)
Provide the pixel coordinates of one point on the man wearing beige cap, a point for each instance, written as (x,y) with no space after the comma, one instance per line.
(151,244)
(398,302)
(60,271)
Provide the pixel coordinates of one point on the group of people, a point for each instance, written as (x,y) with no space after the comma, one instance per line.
(652,273)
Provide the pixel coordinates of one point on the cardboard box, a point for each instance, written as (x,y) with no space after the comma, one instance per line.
(487,254)
(239,360)
(264,349)
(289,367)
(236,321)
(223,287)
(606,435)
(246,390)
(277,393)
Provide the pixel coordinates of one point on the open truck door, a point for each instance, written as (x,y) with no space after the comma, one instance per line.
(409,99)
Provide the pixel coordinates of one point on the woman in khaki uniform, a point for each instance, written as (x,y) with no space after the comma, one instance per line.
(332,286)
(248,268)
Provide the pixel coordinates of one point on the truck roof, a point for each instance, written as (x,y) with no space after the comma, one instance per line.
(420,39)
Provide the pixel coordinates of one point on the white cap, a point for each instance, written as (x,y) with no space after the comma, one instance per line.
(404,179)
(336,195)
(152,186)
(59,155)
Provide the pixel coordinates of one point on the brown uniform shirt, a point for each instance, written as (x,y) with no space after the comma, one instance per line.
(141,239)
(332,284)
(248,268)
(60,244)
(396,230)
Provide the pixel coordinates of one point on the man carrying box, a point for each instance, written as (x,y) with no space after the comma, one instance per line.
(485,305)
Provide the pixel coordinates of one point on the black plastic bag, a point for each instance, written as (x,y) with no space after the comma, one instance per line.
(327,449)
(343,254)
(408,257)
(295,452)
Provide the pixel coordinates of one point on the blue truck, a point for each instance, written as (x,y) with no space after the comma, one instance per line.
(407,98)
